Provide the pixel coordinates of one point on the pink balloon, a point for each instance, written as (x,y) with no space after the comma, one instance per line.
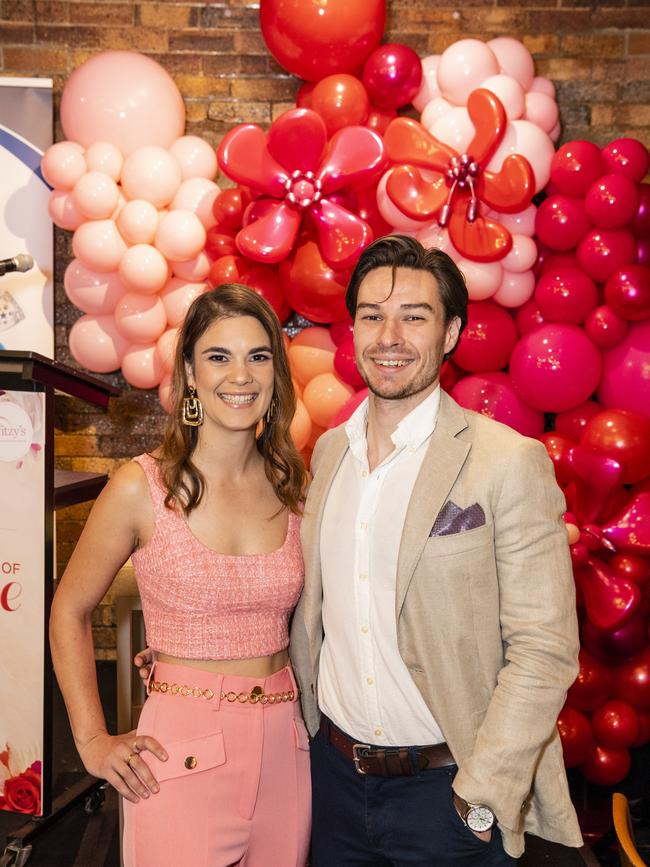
(640,225)
(555,367)
(561,222)
(193,270)
(99,245)
(123,98)
(605,328)
(627,156)
(392,75)
(454,128)
(434,110)
(165,392)
(576,166)
(514,59)
(140,318)
(542,85)
(166,348)
(63,164)
(393,216)
(482,278)
(436,236)
(529,317)
(509,92)
(104,157)
(556,132)
(604,251)
(628,292)
(346,366)
(151,173)
(492,395)
(522,256)
(566,295)
(177,296)
(195,156)
(643,251)
(526,138)
(63,211)
(96,195)
(141,367)
(96,344)
(143,269)
(515,289)
(521,223)
(488,338)
(197,195)
(542,110)
(462,68)
(612,201)
(625,383)
(138,221)
(180,235)
(93,292)
(428,89)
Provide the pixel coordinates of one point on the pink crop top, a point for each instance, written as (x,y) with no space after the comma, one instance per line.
(199,604)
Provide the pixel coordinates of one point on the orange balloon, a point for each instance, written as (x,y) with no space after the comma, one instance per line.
(309,361)
(341,100)
(301,426)
(324,396)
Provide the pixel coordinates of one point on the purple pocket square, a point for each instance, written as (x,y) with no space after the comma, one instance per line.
(452,519)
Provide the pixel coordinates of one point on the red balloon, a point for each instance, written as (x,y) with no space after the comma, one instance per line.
(632,681)
(629,529)
(312,38)
(640,225)
(609,599)
(623,435)
(572,422)
(628,292)
(488,339)
(643,251)
(551,260)
(644,729)
(346,366)
(605,327)
(566,295)
(229,207)
(559,448)
(636,569)
(593,684)
(348,408)
(312,288)
(615,647)
(227,269)
(529,317)
(392,75)
(341,100)
(628,157)
(379,118)
(303,97)
(450,374)
(575,166)
(606,767)
(492,395)
(604,251)
(561,222)
(616,725)
(218,243)
(576,736)
(612,201)
(341,330)
(366,208)
(265,282)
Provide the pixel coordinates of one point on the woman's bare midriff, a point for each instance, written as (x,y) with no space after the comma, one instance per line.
(259,666)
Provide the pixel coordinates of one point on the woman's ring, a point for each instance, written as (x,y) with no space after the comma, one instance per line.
(130,758)
(136,748)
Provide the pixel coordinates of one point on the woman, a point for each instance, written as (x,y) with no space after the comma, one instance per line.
(217,773)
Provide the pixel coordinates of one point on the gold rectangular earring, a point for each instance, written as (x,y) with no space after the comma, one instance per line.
(192,412)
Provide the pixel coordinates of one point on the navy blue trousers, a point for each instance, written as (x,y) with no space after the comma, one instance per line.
(405,821)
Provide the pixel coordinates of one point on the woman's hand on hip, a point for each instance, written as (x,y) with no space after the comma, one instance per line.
(119,759)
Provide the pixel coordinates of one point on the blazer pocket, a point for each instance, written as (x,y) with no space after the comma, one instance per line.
(190,757)
(457,543)
(300,734)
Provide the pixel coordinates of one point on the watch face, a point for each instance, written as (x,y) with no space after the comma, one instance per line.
(480,818)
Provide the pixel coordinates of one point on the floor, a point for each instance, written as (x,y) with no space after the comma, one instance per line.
(90,839)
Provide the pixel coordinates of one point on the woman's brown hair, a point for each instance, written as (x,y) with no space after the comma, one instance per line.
(283,465)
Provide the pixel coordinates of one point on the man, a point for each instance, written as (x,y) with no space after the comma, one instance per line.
(436,635)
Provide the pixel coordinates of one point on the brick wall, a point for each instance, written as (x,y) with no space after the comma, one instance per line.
(597,54)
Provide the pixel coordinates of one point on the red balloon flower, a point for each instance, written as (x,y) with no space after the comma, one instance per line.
(456,183)
(295,172)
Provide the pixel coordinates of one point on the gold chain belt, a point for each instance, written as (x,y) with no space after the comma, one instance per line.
(255,696)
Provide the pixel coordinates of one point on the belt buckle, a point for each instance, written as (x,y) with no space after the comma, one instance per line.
(357,758)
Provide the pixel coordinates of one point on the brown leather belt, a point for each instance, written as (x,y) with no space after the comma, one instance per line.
(386,761)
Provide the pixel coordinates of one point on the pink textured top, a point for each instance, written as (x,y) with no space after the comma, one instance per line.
(199,604)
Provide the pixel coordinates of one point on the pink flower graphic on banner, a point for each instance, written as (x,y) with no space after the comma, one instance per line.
(297,174)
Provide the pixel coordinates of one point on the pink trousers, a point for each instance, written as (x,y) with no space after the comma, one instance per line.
(235,788)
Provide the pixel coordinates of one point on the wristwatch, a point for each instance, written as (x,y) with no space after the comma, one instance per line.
(477,817)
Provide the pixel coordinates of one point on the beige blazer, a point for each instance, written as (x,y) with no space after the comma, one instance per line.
(486,619)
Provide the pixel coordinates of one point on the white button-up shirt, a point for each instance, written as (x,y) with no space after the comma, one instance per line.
(364,687)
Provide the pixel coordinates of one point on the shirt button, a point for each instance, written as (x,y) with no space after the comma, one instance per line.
(370,681)
(364,473)
(364,629)
(378,732)
(363,577)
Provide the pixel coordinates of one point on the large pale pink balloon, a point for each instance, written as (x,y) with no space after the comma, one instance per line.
(625,383)
(429,87)
(435,237)
(193,270)
(180,235)
(542,110)
(522,256)
(526,138)
(196,157)
(197,195)
(63,164)
(514,59)
(509,92)
(144,269)
(515,288)
(542,85)
(482,278)
(102,156)
(462,68)
(92,291)
(434,110)
(96,195)
(454,128)
(141,366)
(521,223)
(140,318)
(123,98)
(177,296)
(96,344)
(138,221)
(151,173)
(99,245)
(63,211)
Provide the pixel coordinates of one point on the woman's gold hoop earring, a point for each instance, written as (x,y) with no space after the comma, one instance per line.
(192,409)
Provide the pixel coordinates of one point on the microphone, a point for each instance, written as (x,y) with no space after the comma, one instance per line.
(21,262)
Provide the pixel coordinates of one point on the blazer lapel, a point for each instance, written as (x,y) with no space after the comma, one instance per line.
(442,463)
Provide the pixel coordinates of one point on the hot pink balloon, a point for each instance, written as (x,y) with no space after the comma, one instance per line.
(561,222)
(63,211)
(140,318)
(346,366)
(628,292)
(151,173)
(96,195)
(141,367)
(604,251)
(93,292)
(138,221)
(629,531)
(627,156)
(392,75)
(555,367)
(177,296)
(640,225)
(566,295)
(625,382)
(180,235)
(488,338)
(492,395)
(96,344)
(514,59)
(529,317)
(143,269)
(63,164)
(197,195)
(572,422)
(576,166)
(612,201)
(99,245)
(610,600)
(604,327)
(195,156)
(463,66)
(102,156)
(123,98)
